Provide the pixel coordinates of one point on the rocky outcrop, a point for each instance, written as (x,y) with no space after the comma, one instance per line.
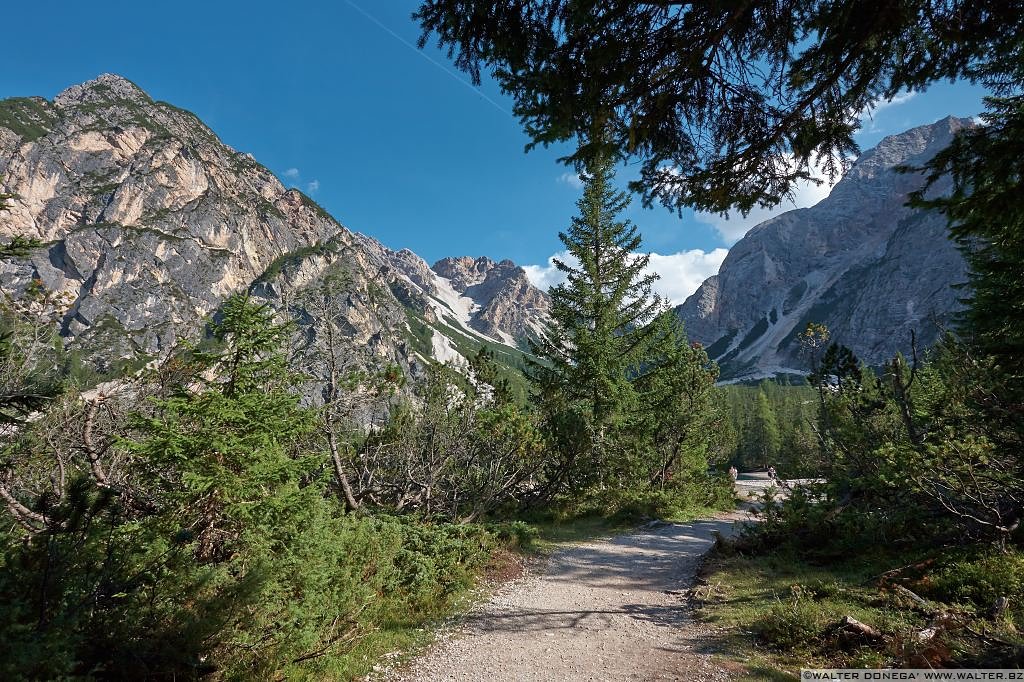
(507,305)
(860,262)
(149,220)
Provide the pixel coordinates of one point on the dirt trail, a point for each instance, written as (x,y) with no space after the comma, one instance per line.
(604,610)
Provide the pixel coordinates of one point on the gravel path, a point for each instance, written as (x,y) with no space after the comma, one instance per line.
(604,610)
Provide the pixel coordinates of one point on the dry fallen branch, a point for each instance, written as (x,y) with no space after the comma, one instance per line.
(850,626)
(922,603)
(701,594)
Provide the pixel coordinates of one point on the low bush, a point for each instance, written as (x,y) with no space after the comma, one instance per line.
(514,535)
(791,624)
(369,576)
(978,582)
(676,502)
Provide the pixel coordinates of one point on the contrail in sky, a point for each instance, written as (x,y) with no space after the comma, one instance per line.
(426,56)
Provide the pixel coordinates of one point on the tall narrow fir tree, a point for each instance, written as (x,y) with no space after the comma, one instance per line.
(600,333)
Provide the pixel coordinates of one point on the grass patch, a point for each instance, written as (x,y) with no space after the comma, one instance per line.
(418,333)
(556,529)
(777,612)
(602,516)
(780,611)
(27,117)
(290,258)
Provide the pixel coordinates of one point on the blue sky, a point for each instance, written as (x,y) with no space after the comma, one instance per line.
(390,141)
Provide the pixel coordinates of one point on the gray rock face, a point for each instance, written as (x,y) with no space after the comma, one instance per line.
(860,262)
(508,306)
(149,222)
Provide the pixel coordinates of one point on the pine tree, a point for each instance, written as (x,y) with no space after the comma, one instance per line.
(601,330)
(765,430)
(677,389)
(241,493)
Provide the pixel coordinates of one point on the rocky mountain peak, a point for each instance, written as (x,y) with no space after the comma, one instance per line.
(911,147)
(464,271)
(101,90)
(480,278)
(148,222)
(861,262)
(508,306)
(148,218)
(415,268)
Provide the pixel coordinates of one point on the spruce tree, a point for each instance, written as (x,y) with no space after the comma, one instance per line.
(765,430)
(677,390)
(600,336)
(717,100)
(259,575)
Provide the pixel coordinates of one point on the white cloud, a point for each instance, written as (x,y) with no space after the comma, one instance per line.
(294,176)
(680,273)
(880,103)
(867,115)
(571,179)
(805,193)
(546,276)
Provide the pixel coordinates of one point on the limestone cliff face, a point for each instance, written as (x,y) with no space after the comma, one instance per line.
(149,222)
(507,305)
(860,262)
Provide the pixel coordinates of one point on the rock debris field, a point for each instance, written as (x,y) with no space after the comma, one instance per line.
(603,610)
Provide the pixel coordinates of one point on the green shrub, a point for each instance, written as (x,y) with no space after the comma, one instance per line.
(238,564)
(364,573)
(791,625)
(683,500)
(979,582)
(514,535)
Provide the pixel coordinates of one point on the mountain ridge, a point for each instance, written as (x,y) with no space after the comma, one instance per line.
(859,261)
(148,221)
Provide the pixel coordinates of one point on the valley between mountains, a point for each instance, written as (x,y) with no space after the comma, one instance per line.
(150,221)
(242,441)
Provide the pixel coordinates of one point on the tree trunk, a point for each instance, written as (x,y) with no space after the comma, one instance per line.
(339,470)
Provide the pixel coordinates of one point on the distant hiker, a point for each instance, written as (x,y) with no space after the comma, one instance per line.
(733,474)
(771,474)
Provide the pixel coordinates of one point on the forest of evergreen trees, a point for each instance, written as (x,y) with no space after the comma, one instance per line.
(772,424)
